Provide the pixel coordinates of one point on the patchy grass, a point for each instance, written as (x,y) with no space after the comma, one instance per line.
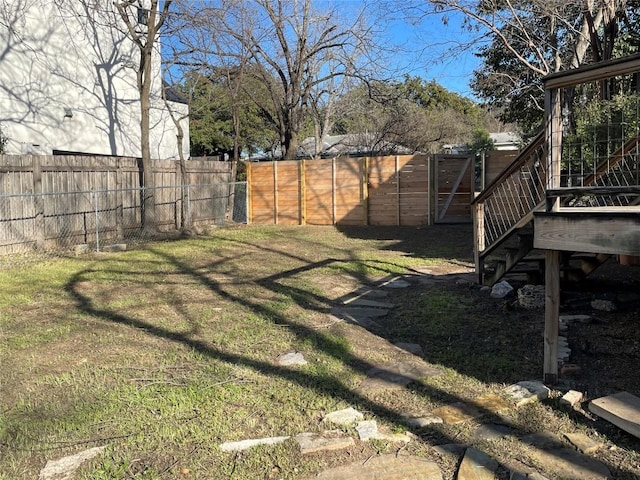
(165,352)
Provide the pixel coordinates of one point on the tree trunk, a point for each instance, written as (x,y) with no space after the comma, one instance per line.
(148,192)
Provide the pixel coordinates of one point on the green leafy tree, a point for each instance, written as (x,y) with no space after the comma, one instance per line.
(529,39)
(212,124)
(415,114)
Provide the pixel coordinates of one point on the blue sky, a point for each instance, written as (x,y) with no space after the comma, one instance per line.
(434,51)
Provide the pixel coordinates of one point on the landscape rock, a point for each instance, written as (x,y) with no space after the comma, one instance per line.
(397,375)
(247,444)
(531,297)
(501,290)
(364,302)
(491,403)
(491,432)
(528,391)
(64,468)
(368,430)
(396,283)
(571,465)
(570,370)
(328,441)
(290,359)
(603,305)
(347,416)
(569,319)
(520,471)
(368,312)
(583,443)
(477,466)
(423,421)
(571,398)
(455,449)
(413,348)
(485,289)
(542,440)
(385,467)
(456,413)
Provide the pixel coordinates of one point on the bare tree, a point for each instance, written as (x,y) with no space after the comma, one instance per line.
(290,46)
(143,26)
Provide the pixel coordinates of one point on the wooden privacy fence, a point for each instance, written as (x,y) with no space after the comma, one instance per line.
(346,191)
(392,190)
(53,201)
(20,174)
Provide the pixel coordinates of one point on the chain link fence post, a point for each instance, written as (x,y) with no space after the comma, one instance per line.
(97,222)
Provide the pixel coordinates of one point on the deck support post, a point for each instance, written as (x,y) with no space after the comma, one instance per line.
(551,315)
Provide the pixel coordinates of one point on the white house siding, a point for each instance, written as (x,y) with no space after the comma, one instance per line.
(68,82)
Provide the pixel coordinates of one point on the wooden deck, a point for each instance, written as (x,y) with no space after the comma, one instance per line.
(613,230)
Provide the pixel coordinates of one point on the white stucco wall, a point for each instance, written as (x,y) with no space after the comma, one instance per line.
(68,82)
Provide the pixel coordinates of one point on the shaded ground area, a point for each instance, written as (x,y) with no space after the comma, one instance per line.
(164,353)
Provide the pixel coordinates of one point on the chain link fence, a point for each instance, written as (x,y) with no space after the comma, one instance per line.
(37,225)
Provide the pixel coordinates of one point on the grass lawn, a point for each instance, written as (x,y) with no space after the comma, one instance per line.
(164,352)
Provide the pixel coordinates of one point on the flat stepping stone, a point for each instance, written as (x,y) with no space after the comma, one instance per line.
(363,302)
(364,322)
(571,398)
(621,409)
(326,442)
(65,468)
(290,359)
(347,416)
(454,449)
(385,467)
(491,403)
(571,465)
(491,432)
(370,293)
(247,444)
(395,283)
(583,443)
(477,466)
(458,412)
(397,375)
(412,348)
(367,312)
(368,430)
(526,392)
(542,440)
(520,471)
(423,421)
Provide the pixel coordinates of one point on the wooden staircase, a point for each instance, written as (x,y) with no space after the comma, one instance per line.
(503,216)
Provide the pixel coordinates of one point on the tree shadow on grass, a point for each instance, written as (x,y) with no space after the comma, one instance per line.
(320,383)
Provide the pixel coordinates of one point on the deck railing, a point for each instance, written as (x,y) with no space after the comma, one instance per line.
(594,136)
(508,202)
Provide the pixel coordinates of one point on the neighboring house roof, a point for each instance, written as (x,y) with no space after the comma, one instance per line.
(501,141)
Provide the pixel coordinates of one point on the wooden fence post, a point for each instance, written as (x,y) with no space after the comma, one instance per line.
(302,191)
(364,188)
(119,202)
(551,315)
(397,173)
(275,192)
(479,236)
(333,191)
(248,193)
(38,202)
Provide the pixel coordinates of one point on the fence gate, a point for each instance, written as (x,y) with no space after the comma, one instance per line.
(454,188)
